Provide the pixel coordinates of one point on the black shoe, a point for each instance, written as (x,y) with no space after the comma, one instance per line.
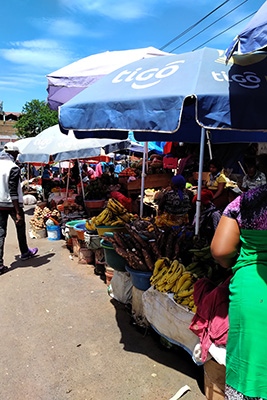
(3,269)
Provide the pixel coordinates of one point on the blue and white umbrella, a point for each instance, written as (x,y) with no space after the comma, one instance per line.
(51,142)
(70,80)
(170,98)
(253,37)
(176,98)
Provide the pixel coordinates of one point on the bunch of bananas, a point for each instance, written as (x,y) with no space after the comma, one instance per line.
(166,273)
(114,214)
(184,289)
(201,254)
(90,224)
(171,276)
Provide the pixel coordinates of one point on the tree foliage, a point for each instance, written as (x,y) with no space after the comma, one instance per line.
(36,116)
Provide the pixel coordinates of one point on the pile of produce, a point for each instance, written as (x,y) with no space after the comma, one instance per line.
(173,277)
(41,215)
(128,172)
(176,257)
(96,190)
(115,214)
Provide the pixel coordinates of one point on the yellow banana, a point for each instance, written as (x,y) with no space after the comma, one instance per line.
(186,292)
(159,264)
(191,303)
(185,285)
(158,276)
(93,223)
(182,279)
(168,286)
(115,223)
(101,217)
(177,273)
(125,217)
(184,302)
(163,278)
(116,207)
(108,218)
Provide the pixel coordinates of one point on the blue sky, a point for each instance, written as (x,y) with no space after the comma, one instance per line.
(38,37)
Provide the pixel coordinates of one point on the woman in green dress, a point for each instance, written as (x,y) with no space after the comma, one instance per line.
(240,243)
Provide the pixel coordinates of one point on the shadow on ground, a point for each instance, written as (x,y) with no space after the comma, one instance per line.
(151,345)
(34,262)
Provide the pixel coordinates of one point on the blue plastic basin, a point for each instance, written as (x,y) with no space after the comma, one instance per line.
(140,279)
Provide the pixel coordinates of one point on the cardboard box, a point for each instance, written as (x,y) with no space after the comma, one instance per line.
(214,380)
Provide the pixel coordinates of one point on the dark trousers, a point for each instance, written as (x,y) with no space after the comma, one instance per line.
(21,232)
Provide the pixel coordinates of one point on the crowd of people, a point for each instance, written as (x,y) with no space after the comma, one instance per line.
(233,219)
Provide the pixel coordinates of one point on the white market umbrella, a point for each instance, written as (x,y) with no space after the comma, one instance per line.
(70,80)
(51,142)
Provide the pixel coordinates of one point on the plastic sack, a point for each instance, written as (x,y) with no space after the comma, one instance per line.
(121,287)
(170,319)
(29,199)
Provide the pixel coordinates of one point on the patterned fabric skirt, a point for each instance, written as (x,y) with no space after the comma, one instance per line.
(232,394)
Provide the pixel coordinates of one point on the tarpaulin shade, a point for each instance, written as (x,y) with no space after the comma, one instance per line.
(253,37)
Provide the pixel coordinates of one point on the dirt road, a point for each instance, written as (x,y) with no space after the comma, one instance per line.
(63,337)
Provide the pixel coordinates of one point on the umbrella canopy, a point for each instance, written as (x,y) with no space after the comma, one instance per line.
(68,81)
(22,143)
(253,37)
(170,98)
(51,142)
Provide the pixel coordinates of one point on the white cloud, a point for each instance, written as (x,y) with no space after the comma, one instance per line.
(42,54)
(22,80)
(119,9)
(64,27)
(39,44)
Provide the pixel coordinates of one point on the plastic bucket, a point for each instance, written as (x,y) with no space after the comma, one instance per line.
(92,242)
(53,232)
(71,224)
(101,229)
(140,279)
(113,259)
(80,229)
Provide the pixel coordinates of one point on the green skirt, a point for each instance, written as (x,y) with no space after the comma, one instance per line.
(246,355)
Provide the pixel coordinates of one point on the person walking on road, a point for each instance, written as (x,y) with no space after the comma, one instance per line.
(11,203)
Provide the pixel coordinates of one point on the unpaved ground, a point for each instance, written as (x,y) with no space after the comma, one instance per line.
(63,337)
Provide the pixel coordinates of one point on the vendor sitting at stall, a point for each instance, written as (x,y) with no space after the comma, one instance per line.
(209,216)
(253,177)
(174,204)
(216,182)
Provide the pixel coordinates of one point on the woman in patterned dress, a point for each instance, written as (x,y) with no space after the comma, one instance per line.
(240,243)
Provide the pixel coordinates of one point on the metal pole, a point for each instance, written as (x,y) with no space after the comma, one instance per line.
(81,178)
(209,144)
(200,170)
(68,182)
(28,176)
(143,179)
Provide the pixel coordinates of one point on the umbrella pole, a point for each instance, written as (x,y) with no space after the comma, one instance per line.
(209,144)
(68,182)
(42,171)
(28,176)
(143,180)
(200,170)
(81,178)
